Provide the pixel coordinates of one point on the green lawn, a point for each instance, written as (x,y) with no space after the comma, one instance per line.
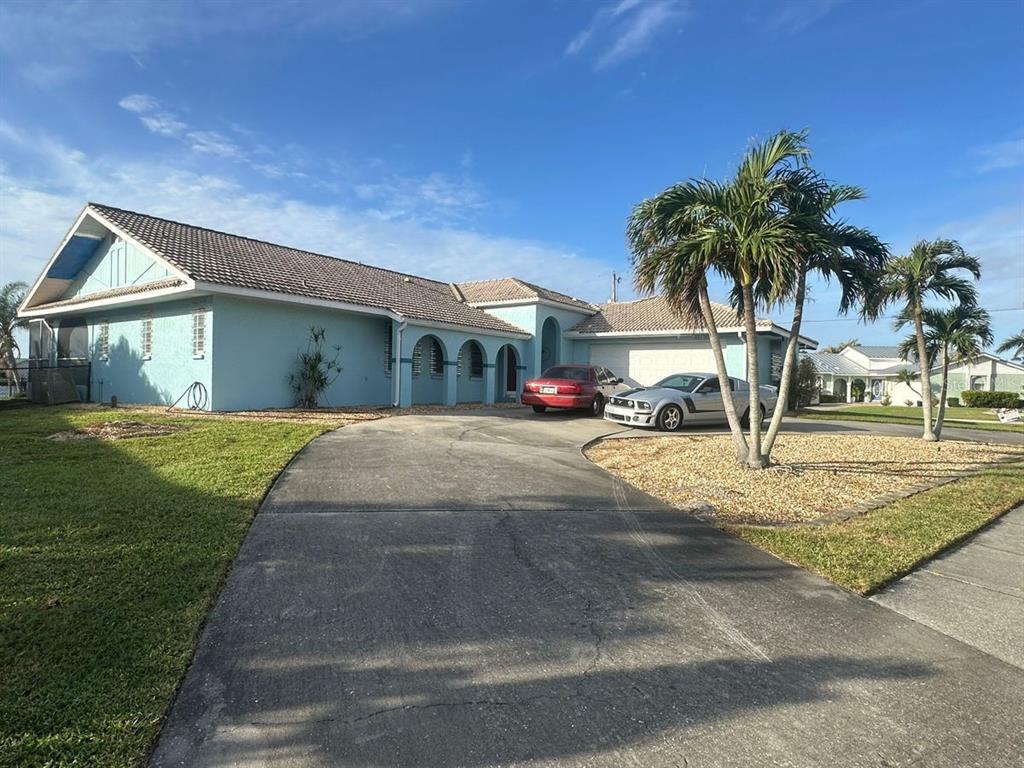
(111,553)
(901,414)
(865,553)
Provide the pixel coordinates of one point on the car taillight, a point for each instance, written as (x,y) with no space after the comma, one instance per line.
(570,389)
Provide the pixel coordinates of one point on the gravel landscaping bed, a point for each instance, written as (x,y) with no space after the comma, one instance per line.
(816,475)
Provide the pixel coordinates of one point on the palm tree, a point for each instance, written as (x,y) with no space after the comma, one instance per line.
(841,346)
(835,250)
(739,230)
(928,270)
(907,376)
(958,333)
(11,296)
(1014,345)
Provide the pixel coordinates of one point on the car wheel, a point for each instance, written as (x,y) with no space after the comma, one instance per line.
(670,418)
(539,408)
(597,406)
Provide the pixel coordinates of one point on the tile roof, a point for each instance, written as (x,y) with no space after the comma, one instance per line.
(654,314)
(514,289)
(209,256)
(113,293)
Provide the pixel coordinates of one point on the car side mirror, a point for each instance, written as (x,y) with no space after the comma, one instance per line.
(616,381)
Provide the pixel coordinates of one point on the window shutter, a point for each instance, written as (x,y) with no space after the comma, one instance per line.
(198,330)
(388,348)
(417,358)
(103,340)
(146,342)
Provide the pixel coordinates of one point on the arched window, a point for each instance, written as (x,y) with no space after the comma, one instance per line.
(476,360)
(429,347)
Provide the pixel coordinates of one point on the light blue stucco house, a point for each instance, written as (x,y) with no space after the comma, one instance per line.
(152,308)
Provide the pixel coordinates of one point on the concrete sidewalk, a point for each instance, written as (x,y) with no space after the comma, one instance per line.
(974,593)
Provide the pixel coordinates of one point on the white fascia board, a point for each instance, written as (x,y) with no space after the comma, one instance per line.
(53,258)
(293,298)
(524,302)
(360,309)
(468,329)
(87,210)
(643,334)
(131,299)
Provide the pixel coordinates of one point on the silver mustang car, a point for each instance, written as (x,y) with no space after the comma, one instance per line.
(685,398)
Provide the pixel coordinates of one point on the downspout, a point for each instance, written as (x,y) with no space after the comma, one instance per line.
(397,352)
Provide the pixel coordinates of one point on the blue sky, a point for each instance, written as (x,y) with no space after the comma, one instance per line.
(470,140)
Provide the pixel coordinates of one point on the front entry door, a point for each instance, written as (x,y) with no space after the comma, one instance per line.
(510,370)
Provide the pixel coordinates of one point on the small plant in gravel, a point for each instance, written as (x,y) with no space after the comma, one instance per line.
(316,371)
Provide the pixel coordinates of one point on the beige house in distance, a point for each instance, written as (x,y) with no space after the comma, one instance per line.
(874,370)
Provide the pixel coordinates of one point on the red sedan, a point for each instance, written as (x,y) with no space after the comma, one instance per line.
(571,386)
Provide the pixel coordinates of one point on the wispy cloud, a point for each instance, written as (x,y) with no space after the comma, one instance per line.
(139,103)
(626,29)
(42,201)
(51,41)
(1000,155)
(793,16)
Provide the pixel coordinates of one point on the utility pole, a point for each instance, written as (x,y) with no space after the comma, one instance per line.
(615,282)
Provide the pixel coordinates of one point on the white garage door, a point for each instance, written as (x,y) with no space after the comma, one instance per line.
(643,364)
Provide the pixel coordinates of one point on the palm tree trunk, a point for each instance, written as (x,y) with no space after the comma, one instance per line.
(723,376)
(942,393)
(926,381)
(755,460)
(12,369)
(788,365)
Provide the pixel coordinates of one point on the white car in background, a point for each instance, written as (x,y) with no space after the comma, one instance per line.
(685,398)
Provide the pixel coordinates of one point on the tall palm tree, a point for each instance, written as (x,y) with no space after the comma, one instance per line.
(957,333)
(1014,345)
(834,250)
(739,230)
(11,296)
(928,270)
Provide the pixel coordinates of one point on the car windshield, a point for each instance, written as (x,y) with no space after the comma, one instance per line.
(566,372)
(681,381)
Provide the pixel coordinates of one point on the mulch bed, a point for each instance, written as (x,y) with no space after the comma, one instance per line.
(817,476)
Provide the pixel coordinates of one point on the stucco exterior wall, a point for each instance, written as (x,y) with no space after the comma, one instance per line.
(258,344)
(170,369)
(446,389)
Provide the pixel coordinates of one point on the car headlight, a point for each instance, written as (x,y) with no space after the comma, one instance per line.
(643,405)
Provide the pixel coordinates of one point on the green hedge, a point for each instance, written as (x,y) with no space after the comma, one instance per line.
(973,399)
(953,402)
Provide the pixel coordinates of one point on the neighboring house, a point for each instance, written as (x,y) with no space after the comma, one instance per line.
(153,306)
(874,369)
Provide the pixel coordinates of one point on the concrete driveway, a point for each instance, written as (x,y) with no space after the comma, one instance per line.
(467,590)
